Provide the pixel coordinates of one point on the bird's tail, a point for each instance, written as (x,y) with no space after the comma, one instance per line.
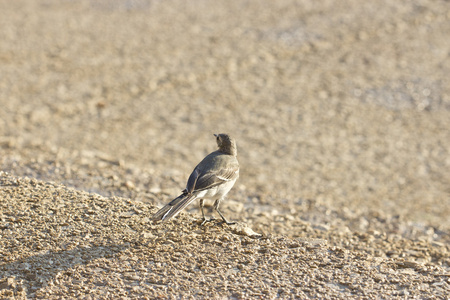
(173,207)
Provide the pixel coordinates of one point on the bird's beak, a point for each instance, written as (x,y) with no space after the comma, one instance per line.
(215,135)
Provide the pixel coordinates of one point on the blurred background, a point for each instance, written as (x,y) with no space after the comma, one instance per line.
(341,110)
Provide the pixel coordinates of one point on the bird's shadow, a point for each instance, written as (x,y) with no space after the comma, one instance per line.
(35,272)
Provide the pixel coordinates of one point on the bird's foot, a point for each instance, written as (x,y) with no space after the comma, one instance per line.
(206,221)
(229,223)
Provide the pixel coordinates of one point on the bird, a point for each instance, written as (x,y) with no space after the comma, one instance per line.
(211,179)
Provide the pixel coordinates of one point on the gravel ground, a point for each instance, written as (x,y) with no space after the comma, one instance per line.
(58,242)
(341,115)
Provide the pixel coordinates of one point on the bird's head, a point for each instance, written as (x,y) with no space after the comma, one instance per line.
(226,144)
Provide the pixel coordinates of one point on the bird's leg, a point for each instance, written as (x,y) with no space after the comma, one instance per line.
(201,207)
(203,214)
(216,206)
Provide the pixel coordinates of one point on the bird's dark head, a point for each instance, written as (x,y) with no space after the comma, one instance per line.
(226,144)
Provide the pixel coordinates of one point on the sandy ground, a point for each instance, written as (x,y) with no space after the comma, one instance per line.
(340,111)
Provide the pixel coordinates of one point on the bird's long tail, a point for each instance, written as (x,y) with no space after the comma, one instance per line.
(174,207)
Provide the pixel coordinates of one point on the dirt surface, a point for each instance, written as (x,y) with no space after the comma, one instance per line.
(341,115)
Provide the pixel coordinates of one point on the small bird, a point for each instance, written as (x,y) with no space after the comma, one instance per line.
(211,179)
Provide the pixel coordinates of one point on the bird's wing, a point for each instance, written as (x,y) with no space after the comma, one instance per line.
(204,180)
(192,181)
